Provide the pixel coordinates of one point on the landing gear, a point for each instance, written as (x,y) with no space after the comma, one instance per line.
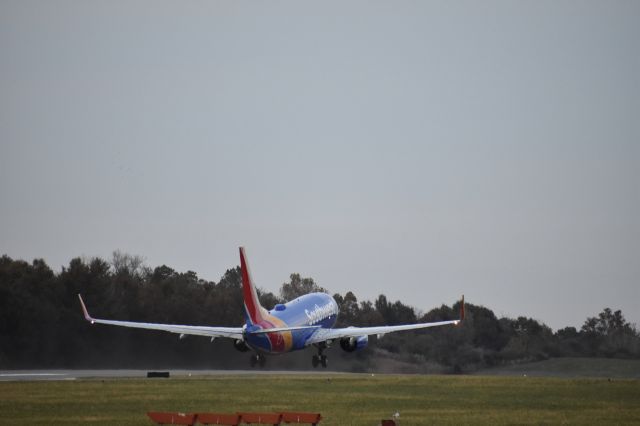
(257,359)
(320,359)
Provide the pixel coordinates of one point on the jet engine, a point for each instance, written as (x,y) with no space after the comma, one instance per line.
(351,344)
(240,345)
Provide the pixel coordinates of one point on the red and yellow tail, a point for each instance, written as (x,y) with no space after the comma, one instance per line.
(254,312)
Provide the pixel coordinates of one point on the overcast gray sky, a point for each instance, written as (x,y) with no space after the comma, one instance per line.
(416,149)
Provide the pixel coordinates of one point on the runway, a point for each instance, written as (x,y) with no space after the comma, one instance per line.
(42,375)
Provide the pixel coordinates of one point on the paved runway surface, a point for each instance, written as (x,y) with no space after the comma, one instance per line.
(35,375)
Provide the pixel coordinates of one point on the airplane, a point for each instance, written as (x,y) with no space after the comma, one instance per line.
(305,321)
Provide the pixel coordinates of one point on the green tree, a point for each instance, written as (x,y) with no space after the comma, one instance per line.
(298,286)
(610,334)
(394,313)
(349,310)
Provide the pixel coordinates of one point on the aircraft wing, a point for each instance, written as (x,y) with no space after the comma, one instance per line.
(230,332)
(324,334)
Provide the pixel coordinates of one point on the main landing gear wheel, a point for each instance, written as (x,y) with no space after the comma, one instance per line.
(319,360)
(257,359)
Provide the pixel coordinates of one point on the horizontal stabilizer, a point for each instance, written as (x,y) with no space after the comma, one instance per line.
(281,329)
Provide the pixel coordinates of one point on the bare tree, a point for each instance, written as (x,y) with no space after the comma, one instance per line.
(128,264)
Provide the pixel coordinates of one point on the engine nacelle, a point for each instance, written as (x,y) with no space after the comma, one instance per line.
(351,344)
(240,345)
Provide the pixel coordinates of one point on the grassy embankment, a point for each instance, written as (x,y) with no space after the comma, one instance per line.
(572,368)
(343,399)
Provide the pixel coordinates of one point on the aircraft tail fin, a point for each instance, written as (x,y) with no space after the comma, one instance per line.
(254,312)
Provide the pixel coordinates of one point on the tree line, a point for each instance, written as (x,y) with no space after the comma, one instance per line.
(41,325)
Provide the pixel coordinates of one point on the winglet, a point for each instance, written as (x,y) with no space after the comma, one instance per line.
(84,310)
(462,308)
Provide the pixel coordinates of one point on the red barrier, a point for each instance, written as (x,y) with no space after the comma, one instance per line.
(291,417)
(234,419)
(218,419)
(172,418)
(260,418)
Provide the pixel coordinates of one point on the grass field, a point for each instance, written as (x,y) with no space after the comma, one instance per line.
(343,399)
